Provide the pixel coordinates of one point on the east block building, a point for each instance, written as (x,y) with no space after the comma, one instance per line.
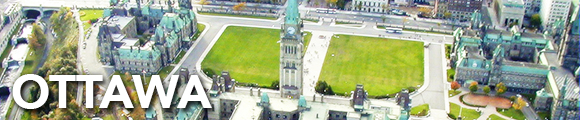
(123,41)
(491,56)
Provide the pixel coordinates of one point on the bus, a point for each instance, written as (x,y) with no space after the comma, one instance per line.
(394,30)
(324,10)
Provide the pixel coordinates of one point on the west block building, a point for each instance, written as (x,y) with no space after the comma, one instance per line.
(569,53)
(510,12)
(552,10)
(376,6)
(146,36)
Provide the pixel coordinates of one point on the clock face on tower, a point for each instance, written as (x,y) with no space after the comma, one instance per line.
(291,30)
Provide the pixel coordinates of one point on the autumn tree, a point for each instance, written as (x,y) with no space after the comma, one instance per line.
(519,104)
(500,88)
(138,112)
(239,7)
(203,2)
(473,86)
(128,76)
(37,39)
(424,11)
(486,89)
(331,2)
(455,85)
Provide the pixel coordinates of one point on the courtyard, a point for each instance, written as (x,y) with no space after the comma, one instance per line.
(383,66)
(250,58)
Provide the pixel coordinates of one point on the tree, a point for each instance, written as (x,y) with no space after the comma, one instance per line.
(128,76)
(384,18)
(536,21)
(385,8)
(203,2)
(331,2)
(455,85)
(486,89)
(323,88)
(239,7)
(473,86)
(36,39)
(500,88)
(424,11)
(275,85)
(519,104)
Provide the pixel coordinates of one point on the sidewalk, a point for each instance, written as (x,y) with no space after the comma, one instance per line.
(313,60)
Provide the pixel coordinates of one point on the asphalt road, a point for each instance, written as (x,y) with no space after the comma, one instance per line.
(434,95)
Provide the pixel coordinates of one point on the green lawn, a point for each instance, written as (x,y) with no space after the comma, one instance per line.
(26,115)
(450,74)
(373,62)
(494,117)
(544,115)
(420,110)
(513,113)
(90,14)
(250,58)
(163,73)
(6,53)
(200,28)
(238,15)
(178,58)
(467,114)
(31,62)
(454,92)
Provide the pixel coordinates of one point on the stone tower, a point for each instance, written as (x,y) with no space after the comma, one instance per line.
(291,52)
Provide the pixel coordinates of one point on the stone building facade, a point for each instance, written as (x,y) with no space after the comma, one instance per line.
(491,56)
(291,52)
(124,40)
(510,12)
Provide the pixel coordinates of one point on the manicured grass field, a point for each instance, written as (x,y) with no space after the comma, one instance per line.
(250,58)
(513,113)
(454,92)
(494,117)
(90,14)
(450,75)
(383,66)
(467,114)
(418,110)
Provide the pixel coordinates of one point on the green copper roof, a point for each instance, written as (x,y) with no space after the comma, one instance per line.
(188,111)
(136,54)
(524,70)
(150,113)
(302,102)
(265,98)
(292,14)
(106,12)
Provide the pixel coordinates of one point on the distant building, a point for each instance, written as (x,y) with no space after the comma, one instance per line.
(375,6)
(532,7)
(510,12)
(491,56)
(123,40)
(462,9)
(552,10)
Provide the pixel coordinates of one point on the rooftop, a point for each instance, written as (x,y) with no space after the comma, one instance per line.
(120,21)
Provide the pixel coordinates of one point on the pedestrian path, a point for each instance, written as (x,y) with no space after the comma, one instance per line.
(313,60)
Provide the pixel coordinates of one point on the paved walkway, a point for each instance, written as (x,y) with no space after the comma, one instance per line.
(313,60)
(487,111)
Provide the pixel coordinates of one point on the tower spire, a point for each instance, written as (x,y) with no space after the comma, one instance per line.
(292,13)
